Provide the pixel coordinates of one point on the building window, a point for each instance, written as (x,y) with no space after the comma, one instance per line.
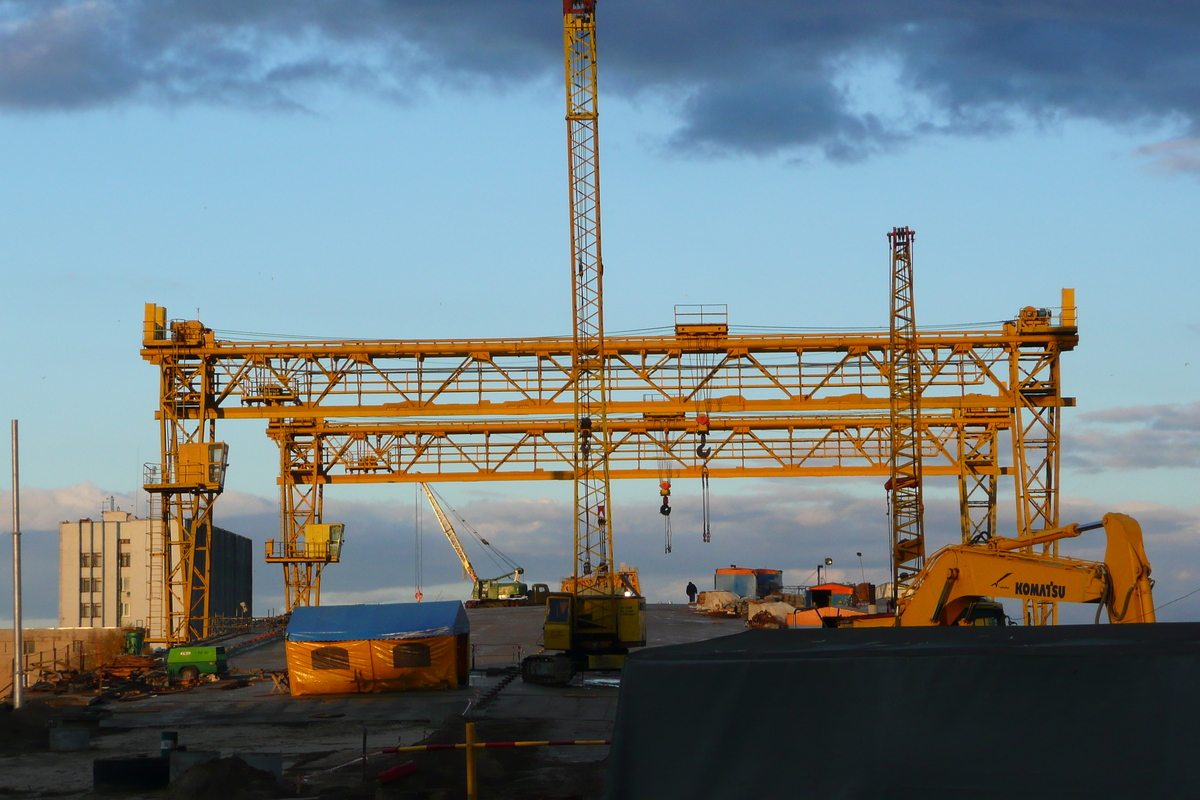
(330,658)
(124,583)
(85,585)
(123,559)
(77,645)
(85,559)
(28,646)
(410,654)
(124,609)
(85,610)
(124,541)
(96,560)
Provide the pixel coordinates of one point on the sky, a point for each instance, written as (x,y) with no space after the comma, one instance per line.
(373,169)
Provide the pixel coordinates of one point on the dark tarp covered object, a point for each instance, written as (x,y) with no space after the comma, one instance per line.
(384,621)
(1091,711)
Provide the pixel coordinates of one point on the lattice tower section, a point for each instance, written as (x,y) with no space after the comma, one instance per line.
(593,519)
(904,393)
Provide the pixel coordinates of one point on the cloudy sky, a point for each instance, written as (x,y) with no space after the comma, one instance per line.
(396,169)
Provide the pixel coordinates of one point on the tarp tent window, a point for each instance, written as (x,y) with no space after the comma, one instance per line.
(330,658)
(410,654)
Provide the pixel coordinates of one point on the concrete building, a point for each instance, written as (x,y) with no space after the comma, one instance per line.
(110,577)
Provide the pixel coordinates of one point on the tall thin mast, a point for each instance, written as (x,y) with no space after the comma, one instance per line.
(593,521)
(904,384)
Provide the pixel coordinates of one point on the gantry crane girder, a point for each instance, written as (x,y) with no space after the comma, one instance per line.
(1013,364)
(349,452)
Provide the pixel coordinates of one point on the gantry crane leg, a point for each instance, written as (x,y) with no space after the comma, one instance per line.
(1034,377)
(301,503)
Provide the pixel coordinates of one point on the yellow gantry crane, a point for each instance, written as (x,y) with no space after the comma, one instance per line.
(592,408)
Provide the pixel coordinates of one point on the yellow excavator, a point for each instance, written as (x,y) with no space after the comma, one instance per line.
(958,584)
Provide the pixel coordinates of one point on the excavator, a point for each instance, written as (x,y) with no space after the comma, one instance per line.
(959,584)
(506,590)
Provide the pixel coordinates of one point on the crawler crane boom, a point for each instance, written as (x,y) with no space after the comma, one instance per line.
(602,616)
(486,592)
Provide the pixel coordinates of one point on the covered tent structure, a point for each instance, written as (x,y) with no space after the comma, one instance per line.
(378,648)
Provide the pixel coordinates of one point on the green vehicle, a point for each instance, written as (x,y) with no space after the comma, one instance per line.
(189,663)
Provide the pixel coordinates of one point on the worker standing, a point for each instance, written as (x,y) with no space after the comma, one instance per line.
(691,593)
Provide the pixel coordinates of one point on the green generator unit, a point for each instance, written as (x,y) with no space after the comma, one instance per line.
(190,663)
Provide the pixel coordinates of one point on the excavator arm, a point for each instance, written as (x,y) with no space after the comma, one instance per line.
(957,577)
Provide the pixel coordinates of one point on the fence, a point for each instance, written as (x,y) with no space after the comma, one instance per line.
(496,655)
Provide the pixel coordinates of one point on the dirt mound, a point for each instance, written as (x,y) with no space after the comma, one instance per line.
(26,728)
(225,779)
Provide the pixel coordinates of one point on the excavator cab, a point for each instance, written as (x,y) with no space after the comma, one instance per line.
(985,613)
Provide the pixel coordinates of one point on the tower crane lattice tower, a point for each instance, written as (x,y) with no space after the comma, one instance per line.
(593,507)
(904,393)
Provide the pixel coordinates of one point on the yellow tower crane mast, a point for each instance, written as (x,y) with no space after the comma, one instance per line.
(593,526)
(600,614)
(904,389)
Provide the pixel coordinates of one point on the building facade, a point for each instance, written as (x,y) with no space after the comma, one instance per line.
(109,576)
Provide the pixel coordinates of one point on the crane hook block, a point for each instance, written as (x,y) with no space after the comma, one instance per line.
(665,508)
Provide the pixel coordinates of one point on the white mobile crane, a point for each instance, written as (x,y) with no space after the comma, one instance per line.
(506,590)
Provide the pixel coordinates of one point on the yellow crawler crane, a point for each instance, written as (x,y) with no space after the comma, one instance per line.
(958,583)
(602,615)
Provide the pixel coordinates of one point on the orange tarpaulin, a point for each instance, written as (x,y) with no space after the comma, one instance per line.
(374,665)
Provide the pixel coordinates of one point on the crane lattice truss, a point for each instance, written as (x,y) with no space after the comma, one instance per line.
(904,413)
(813,404)
(591,445)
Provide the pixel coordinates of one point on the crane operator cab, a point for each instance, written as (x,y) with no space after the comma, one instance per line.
(984,613)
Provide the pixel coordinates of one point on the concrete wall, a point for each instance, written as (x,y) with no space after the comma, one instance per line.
(232,575)
(69,646)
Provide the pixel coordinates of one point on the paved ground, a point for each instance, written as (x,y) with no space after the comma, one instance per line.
(318,733)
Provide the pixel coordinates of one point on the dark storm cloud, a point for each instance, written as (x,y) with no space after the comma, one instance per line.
(742,77)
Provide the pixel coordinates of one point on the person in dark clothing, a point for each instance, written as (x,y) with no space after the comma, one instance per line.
(691,593)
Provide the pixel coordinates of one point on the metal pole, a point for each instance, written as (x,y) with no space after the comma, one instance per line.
(18,640)
(472,785)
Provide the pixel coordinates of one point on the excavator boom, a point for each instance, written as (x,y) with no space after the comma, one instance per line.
(959,577)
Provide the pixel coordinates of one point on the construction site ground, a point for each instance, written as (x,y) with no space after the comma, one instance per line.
(316,735)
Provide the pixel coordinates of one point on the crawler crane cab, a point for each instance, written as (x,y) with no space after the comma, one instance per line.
(959,584)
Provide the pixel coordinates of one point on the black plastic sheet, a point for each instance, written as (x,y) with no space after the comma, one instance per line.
(1019,712)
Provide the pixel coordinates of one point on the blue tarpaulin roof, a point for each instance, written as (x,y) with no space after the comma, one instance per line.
(387,621)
